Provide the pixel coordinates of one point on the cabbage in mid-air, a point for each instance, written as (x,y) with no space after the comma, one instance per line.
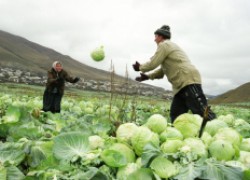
(98,54)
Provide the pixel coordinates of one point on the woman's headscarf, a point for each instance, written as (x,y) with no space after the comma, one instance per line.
(55,63)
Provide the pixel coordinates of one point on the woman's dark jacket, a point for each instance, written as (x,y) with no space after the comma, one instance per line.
(56,81)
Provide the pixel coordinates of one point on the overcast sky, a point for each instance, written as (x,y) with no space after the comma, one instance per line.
(215,34)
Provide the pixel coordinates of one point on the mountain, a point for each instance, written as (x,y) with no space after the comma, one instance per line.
(19,52)
(19,55)
(239,94)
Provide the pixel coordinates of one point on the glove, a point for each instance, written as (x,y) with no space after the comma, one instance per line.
(136,66)
(141,78)
(76,79)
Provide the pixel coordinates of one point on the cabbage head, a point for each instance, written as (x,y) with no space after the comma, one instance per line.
(157,123)
(98,54)
(243,127)
(96,142)
(197,146)
(142,174)
(124,172)
(206,138)
(170,133)
(163,167)
(88,110)
(230,135)
(142,137)
(118,155)
(221,150)
(245,145)
(240,122)
(185,149)
(171,146)
(126,131)
(188,125)
(138,162)
(229,119)
(245,158)
(213,126)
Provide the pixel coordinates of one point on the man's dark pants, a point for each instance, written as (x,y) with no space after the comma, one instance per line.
(192,98)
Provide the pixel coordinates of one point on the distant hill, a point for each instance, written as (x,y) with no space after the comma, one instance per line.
(240,94)
(19,52)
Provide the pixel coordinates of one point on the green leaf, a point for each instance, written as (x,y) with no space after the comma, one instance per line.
(118,155)
(143,173)
(12,115)
(70,145)
(92,173)
(11,153)
(39,152)
(3,172)
(95,174)
(163,167)
(150,151)
(246,175)
(28,130)
(113,158)
(219,171)
(101,128)
(189,172)
(4,129)
(244,130)
(14,173)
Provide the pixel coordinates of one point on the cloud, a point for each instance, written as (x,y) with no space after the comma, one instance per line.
(214,34)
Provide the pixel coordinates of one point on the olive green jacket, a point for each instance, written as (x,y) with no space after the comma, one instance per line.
(57,80)
(173,63)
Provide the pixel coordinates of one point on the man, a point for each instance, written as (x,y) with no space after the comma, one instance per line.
(55,87)
(184,77)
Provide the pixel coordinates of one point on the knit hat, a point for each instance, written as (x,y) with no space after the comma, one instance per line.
(164,31)
(55,63)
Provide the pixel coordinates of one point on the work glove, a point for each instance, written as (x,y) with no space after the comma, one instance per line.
(76,79)
(141,78)
(136,66)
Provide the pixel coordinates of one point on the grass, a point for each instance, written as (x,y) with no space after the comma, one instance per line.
(239,110)
(35,90)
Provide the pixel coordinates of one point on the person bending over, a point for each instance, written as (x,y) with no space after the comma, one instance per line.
(184,77)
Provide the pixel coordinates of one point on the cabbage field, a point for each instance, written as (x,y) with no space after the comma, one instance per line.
(120,138)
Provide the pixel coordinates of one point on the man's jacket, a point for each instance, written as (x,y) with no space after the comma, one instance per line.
(173,63)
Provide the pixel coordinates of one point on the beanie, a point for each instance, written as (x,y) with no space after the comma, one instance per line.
(164,31)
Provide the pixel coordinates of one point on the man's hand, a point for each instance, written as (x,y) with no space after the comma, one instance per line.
(141,78)
(136,66)
(76,79)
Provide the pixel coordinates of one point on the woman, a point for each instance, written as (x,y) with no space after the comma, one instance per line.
(55,87)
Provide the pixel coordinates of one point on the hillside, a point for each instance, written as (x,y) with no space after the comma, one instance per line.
(19,52)
(240,94)
(27,62)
